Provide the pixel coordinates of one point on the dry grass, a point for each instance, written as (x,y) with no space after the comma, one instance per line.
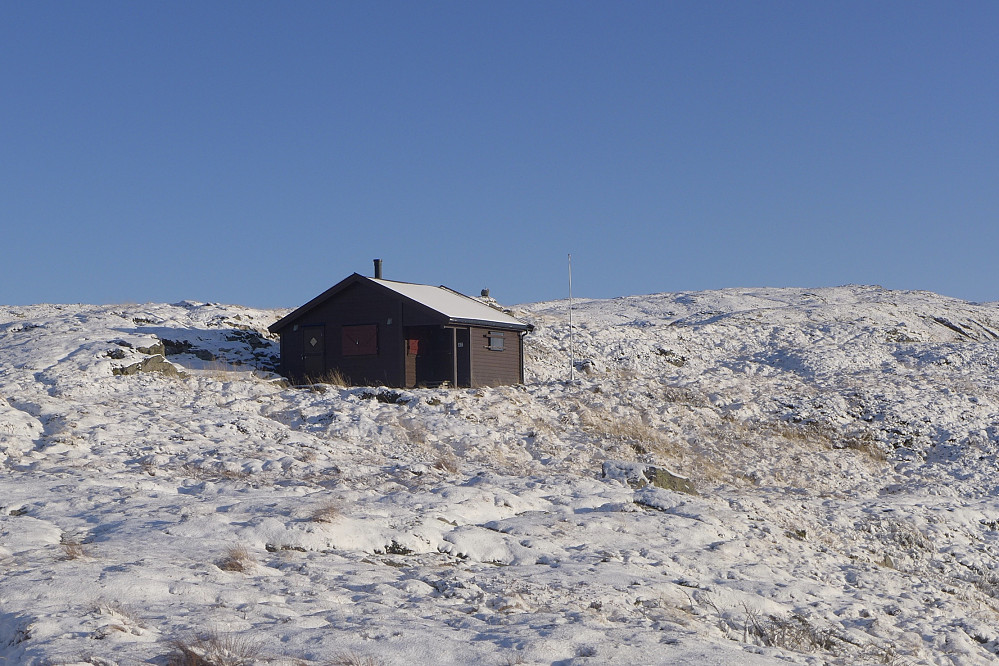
(330,378)
(867,446)
(237,558)
(215,472)
(221,370)
(642,437)
(327,512)
(126,613)
(898,533)
(215,649)
(448,462)
(353,659)
(826,436)
(986,581)
(794,632)
(513,660)
(415,431)
(72,548)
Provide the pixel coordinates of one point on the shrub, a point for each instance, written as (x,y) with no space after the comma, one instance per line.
(396,548)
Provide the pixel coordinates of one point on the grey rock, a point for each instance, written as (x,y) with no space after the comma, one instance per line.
(155,363)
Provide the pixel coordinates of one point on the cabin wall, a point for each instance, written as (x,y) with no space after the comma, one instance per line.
(492,367)
(356,305)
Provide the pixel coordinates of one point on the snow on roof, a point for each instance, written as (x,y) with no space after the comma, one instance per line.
(450,303)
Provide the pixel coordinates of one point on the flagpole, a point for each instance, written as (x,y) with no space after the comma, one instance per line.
(572,351)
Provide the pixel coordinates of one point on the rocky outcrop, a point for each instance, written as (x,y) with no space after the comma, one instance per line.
(639,475)
(155,363)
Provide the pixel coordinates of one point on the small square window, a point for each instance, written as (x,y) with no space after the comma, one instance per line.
(495,341)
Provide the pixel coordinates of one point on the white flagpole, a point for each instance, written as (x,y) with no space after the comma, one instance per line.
(572,352)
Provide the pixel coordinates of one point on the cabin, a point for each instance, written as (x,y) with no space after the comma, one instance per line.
(377,332)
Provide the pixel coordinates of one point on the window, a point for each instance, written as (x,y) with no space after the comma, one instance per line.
(360,340)
(495,341)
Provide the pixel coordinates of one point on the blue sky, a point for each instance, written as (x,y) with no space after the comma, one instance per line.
(258,152)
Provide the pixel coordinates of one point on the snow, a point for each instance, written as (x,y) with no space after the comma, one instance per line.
(842,443)
(451,303)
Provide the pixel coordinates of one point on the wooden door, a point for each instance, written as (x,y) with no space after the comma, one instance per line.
(314,351)
(463,362)
(415,347)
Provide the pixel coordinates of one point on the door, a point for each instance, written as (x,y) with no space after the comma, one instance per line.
(314,351)
(418,356)
(412,342)
(463,361)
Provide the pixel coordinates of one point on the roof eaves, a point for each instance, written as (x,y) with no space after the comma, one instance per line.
(485,323)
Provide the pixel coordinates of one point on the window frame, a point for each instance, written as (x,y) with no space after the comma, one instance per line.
(492,337)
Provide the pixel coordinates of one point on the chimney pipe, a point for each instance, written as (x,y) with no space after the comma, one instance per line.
(378,269)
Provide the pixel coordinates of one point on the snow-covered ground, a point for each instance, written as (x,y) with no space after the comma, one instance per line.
(194,510)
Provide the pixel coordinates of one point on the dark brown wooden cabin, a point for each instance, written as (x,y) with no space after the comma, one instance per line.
(385,333)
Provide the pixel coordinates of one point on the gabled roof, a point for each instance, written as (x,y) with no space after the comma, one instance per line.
(452,305)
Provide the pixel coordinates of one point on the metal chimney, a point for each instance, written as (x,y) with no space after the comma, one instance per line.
(378,269)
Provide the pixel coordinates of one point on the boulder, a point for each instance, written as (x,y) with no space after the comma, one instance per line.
(156,363)
(639,475)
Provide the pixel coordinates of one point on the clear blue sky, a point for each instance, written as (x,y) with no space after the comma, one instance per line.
(258,152)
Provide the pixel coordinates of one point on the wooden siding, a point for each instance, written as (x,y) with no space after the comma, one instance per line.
(492,367)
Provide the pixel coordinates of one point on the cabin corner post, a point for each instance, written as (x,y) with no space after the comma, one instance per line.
(520,351)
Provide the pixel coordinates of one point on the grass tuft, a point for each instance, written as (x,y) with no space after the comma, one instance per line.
(353,659)
(72,548)
(794,632)
(448,462)
(327,512)
(333,378)
(215,649)
(237,558)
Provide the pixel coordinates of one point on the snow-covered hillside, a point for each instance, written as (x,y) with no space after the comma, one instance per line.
(166,499)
